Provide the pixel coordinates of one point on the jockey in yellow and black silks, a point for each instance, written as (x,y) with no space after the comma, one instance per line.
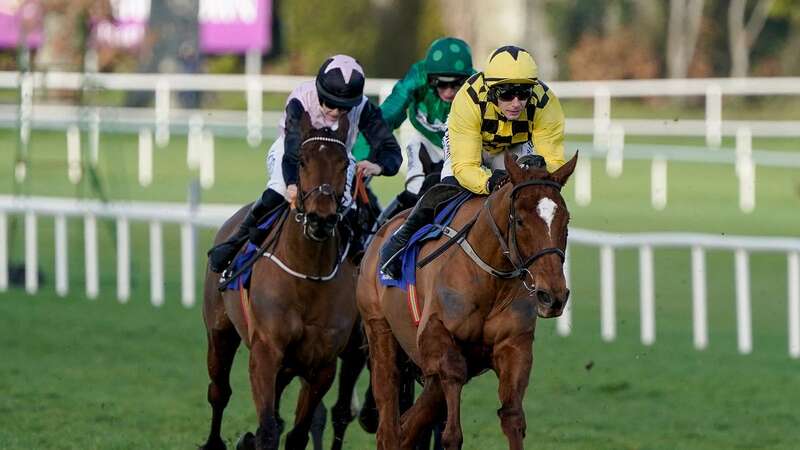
(504,108)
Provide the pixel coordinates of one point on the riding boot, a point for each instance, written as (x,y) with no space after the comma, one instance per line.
(422,214)
(402,202)
(221,255)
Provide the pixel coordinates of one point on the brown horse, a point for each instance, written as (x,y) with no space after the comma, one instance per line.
(300,311)
(479,307)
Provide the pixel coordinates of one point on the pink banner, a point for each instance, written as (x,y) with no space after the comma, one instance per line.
(14,14)
(226,26)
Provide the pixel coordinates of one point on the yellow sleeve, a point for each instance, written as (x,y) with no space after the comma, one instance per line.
(465,143)
(548,132)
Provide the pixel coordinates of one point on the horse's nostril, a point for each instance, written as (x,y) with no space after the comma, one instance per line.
(545,298)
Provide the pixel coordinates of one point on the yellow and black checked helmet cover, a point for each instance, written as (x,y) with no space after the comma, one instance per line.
(510,64)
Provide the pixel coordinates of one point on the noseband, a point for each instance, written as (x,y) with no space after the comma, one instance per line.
(512,253)
(324,189)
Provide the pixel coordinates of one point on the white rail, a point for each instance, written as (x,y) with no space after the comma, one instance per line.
(211,216)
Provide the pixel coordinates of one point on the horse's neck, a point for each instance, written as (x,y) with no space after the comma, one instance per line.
(485,241)
(304,255)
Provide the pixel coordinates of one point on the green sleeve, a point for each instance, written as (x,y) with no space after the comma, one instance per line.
(360,148)
(394,107)
(396,104)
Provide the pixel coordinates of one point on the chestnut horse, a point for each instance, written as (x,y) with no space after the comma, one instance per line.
(479,301)
(300,312)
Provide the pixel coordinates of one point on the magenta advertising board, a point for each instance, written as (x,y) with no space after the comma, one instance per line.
(226,26)
(14,14)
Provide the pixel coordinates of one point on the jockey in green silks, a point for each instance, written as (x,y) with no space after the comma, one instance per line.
(424,97)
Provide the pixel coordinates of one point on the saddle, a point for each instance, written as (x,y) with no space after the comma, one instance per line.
(445,212)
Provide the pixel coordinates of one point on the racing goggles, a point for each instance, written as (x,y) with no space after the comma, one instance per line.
(447,82)
(509,92)
(344,109)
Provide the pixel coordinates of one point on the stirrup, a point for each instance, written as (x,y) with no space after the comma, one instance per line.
(225,276)
(389,262)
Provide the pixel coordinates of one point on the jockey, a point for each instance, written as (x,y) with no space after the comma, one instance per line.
(338,89)
(424,96)
(505,108)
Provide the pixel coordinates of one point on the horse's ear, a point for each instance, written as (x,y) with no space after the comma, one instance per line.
(515,172)
(563,173)
(343,128)
(305,124)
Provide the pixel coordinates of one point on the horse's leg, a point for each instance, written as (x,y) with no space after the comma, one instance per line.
(265,362)
(353,360)
(284,378)
(441,356)
(368,416)
(222,345)
(384,375)
(310,397)
(512,359)
(317,428)
(416,423)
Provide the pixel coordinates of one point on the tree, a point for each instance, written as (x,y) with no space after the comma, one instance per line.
(540,40)
(684,28)
(742,32)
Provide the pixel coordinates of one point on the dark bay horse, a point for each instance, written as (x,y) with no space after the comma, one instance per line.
(478,312)
(300,312)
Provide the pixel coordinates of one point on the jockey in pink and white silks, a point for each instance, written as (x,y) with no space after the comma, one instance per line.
(338,89)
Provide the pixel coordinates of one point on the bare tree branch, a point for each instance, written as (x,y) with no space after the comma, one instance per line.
(684,28)
(741,36)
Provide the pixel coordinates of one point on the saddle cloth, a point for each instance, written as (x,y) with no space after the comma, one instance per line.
(410,252)
(249,250)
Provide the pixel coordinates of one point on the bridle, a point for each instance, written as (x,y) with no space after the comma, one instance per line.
(324,189)
(511,251)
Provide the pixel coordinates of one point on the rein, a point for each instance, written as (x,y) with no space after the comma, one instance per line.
(512,253)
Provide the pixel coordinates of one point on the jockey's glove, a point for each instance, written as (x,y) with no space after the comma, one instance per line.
(496,180)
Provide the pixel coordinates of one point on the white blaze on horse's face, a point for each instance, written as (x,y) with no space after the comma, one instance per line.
(547,210)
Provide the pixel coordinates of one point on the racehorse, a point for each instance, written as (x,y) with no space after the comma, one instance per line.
(479,300)
(299,313)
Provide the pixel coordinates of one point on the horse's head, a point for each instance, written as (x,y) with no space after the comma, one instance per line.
(323,171)
(538,230)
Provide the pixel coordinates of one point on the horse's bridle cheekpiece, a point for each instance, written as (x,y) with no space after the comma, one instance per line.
(323,189)
(513,254)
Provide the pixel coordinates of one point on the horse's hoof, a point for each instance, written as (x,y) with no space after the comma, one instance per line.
(216,444)
(246,442)
(368,419)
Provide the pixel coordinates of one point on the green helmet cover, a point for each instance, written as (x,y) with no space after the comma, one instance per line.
(449,56)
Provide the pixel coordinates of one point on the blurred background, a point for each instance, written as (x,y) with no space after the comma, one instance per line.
(130,129)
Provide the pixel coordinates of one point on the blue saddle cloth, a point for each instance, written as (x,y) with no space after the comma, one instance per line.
(430,231)
(249,252)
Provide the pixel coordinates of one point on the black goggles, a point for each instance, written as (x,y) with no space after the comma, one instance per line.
(340,108)
(509,93)
(448,82)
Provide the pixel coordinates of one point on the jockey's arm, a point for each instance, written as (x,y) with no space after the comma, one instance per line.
(291,141)
(385,149)
(465,144)
(548,131)
(394,107)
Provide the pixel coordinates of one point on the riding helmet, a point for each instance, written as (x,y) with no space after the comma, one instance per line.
(449,56)
(340,82)
(510,65)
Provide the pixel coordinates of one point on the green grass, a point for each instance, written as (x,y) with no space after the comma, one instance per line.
(95,374)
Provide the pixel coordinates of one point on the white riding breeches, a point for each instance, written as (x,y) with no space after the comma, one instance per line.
(277,184)
(416,172)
